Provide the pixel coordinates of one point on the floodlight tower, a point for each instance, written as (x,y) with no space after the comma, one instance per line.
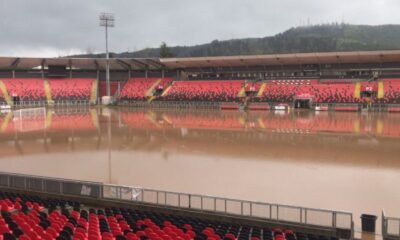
(107,20)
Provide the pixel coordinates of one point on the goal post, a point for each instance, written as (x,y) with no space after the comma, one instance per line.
(29,119)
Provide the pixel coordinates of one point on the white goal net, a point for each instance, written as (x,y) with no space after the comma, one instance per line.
(29,119)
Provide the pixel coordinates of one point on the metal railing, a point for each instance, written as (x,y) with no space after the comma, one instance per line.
(170,104)
(71,102)
(55,103)
(259,210)
(51,185)
(390,227)
(376,107)
(31,103)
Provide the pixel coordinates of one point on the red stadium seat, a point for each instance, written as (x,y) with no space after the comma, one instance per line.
(211,90)
(25,88)
(71,89)
(136,88)
(391,91)
(108,224)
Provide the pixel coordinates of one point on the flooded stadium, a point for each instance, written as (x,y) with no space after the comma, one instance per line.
(341,161)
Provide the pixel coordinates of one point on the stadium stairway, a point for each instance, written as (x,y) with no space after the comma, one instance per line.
(261,90)
(150,99)
(242,92)
(93,92)
(47,91)
(150,91)
(357,90)
(381,91)
(167,89)
(6,96)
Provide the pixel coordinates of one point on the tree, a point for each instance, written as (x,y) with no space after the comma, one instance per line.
(165,52)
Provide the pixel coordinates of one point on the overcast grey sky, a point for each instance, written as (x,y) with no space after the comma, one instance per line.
(59,27)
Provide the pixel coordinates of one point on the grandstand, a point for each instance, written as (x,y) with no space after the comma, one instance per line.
(35,207)
(35,216)
(23,217)
(349,81)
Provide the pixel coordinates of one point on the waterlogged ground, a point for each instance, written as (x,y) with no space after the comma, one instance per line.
(339,161)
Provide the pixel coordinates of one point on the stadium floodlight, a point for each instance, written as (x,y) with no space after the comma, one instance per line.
(107,20)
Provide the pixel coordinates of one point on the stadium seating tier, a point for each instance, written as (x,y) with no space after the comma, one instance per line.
(71,89)
(392,91)
(141,88)
(26,89)
(277,91)
(212,90)
(31,217)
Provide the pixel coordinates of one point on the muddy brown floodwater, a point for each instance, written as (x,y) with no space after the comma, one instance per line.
(338,161)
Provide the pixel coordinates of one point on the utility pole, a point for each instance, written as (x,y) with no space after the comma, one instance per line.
(107,20)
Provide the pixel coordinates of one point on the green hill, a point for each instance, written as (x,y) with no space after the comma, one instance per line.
(317,38)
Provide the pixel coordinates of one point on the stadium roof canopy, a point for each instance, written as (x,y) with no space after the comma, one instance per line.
(16,63)
(285,59)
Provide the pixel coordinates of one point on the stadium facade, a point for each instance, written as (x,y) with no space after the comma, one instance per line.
(349,81)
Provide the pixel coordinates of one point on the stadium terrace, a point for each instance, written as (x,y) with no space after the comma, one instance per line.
(280,125)
(349,81)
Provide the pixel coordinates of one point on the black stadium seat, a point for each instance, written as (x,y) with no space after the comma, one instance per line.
(58,219)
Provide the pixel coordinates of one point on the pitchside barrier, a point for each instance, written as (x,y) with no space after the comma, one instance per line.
(390,227)
(349,107)
(53,103)
(308,217)
(170,104)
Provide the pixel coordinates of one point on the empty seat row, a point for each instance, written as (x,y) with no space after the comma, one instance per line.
(391,91)
(282,91)
(31,217)
(213,90)
(71,89)
(320,93)
(59,89)
(26,89)
(139,88)
(136,88)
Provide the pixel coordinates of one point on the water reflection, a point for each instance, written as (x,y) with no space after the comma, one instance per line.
(343,161)
(278,121)
(323,137)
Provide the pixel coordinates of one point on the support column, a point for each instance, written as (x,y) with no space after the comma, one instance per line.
(42,71)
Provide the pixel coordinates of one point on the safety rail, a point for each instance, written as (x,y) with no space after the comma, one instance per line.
(390,227)
(376,107)
(170,104)
(260,210)
(393,105)
(71,102)
(46,103)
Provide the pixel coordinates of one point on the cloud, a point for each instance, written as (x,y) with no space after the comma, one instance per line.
(59,27)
